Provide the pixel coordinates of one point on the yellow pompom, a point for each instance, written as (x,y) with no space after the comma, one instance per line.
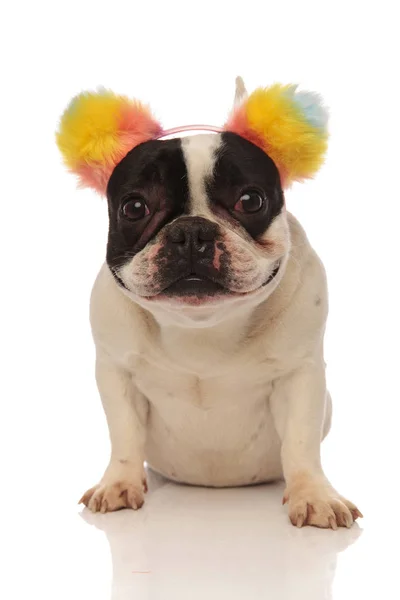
(89,128)
(98,129)
(289,125)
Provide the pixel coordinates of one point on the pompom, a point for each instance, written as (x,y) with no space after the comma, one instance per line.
(97,131)
(290,126)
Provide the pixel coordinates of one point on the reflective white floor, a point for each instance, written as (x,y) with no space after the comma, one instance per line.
(193,543)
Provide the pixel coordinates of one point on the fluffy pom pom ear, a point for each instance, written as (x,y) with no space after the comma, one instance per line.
(97,130)
(289,125)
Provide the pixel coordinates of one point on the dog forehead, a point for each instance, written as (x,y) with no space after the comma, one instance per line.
(194,162)
(176,163)
(200,153)
(150,162)
(227,160)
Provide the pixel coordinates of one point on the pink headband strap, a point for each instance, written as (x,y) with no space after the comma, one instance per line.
(166,132)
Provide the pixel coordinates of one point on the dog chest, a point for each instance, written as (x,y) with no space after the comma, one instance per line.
(169,389)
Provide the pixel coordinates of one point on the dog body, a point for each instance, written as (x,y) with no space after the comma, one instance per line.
(208,319)
(207,396)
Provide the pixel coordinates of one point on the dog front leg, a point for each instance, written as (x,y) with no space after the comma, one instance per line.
(298,405)
(123,483)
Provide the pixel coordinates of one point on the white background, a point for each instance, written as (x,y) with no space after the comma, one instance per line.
(183,57)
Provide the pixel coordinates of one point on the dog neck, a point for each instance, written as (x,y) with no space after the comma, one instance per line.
(223,330)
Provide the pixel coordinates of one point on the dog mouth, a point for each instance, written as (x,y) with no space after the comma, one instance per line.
(202,286)
(195,285)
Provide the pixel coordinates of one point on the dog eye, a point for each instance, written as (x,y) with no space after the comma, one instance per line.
(135,209)
(250,201)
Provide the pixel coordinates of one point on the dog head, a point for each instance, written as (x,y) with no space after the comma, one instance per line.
(196,221)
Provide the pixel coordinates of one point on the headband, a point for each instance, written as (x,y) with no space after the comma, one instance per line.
(98,129)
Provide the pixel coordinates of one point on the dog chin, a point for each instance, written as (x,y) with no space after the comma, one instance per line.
(205,310)
(193,291)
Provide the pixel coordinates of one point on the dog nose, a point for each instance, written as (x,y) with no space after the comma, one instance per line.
(192,233)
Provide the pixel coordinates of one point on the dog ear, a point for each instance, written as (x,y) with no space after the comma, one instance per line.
(240,92)
(289,125)
(97,131)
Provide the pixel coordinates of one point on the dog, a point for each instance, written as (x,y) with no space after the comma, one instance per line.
(208,318)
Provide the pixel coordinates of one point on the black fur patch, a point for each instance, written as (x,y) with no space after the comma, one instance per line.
(156,171)
(240,165)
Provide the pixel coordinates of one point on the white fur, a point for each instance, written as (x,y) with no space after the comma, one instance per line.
(199,152)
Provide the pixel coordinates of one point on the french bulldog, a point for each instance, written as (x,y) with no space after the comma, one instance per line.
(208,318)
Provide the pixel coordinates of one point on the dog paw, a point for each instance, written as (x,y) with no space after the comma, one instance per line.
(107,497)
(317,503)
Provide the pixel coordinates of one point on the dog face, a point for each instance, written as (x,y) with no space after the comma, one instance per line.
(196,221)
